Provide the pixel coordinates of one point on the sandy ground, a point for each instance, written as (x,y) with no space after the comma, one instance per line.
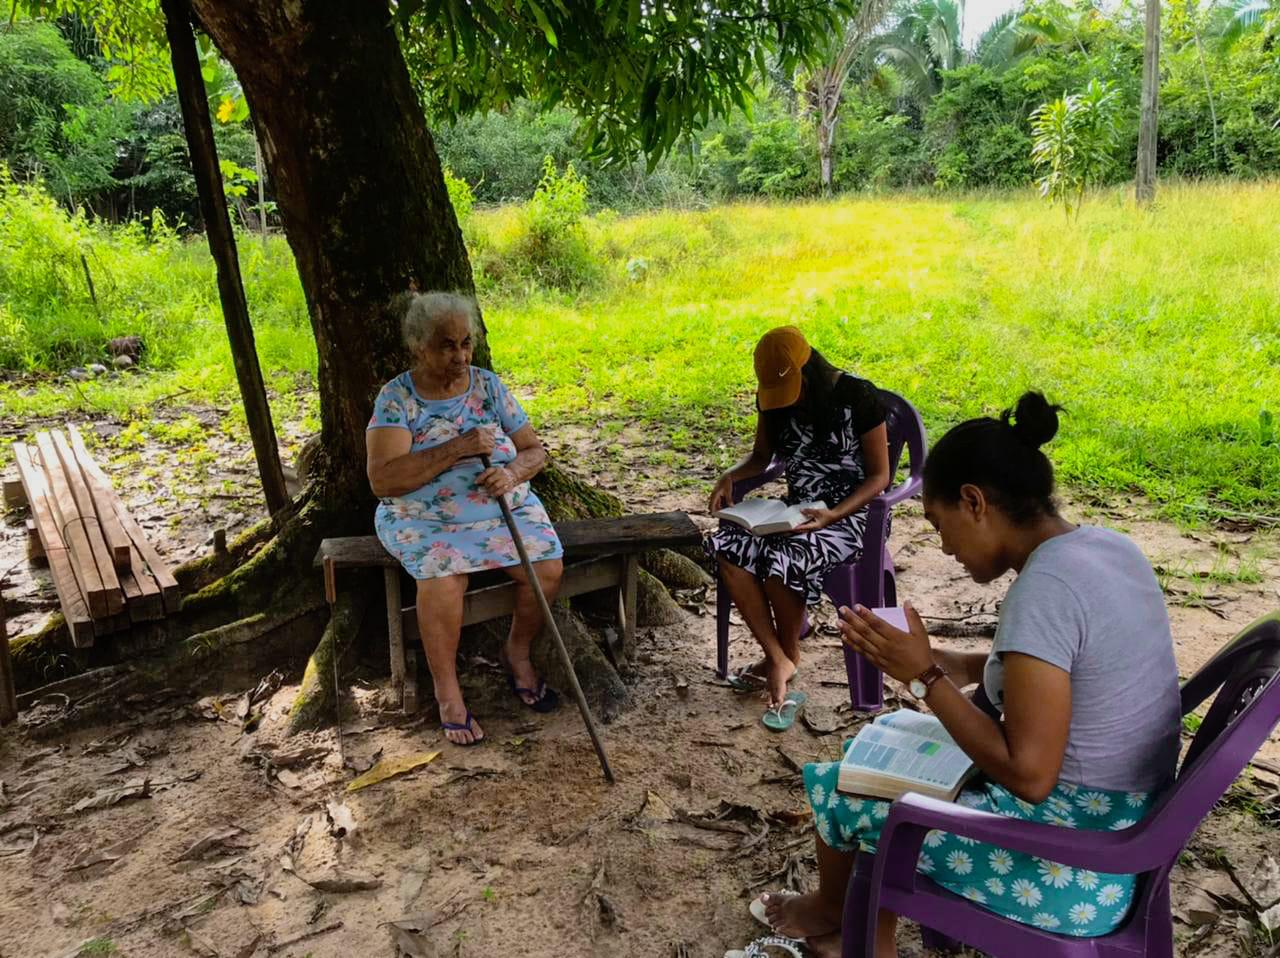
(518,847)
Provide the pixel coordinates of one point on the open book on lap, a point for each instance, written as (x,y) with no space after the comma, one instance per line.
(764,517)
(902,752)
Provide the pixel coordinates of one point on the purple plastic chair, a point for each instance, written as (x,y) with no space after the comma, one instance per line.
(868,580)
(1247,708)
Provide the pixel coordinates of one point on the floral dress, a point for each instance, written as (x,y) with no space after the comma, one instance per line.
(451,525)
(826,468)
(1027,889)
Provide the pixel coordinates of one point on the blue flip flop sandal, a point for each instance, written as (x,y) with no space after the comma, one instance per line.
(463,727)
(545,699)
(784,716)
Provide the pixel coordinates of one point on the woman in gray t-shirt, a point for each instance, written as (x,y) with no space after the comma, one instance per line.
(1081,674)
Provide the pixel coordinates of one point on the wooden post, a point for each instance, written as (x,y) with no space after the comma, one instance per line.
(8,699)
(1148,127)
(395,630)
(628,591)
(222,244)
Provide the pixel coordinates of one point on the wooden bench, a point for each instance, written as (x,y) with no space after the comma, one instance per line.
(598,554)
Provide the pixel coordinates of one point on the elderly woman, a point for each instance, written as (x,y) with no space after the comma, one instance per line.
(440,513)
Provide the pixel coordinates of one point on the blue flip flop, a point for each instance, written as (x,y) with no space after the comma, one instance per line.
(784,716)
(545,699)
(463,727)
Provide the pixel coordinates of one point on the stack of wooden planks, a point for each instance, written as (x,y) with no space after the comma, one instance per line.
(106,573)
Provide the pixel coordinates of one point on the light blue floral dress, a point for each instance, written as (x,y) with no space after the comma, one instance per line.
(452,526)
(1031,890)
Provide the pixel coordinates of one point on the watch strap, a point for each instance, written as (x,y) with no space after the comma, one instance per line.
(930,675)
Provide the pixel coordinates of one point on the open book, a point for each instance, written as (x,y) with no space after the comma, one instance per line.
(764,517)
(901,752)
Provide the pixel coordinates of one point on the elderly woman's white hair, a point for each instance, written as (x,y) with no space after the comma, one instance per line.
(427,310)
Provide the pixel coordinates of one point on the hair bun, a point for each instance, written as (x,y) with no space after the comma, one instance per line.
(1034,419)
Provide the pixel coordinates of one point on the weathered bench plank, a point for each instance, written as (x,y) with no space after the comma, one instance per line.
(627,534)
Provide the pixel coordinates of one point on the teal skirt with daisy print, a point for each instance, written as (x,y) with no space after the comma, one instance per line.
(1031,890)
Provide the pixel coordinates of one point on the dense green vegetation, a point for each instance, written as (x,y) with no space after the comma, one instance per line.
(919,110)
(1157,331)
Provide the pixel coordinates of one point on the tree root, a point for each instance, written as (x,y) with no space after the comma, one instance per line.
(675,570)
(315,702)
(654,605)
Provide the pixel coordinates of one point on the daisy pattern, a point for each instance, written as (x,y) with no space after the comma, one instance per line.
(1026,893)
(818,796)
(1120,824)
(853,805)
(974,895)
(1110,894)
(1055,875)
(1094,803)
(834,801)
(934,838)
(1062,821)
(1043,919)
(880,810)
(995,886)
(1059,805)
(963,840)
(924,864)
(1082,913)
(864,823)
(960,862)
(1136,799)
(1068,788)
(824,832)
(1086,879)
(1027,807)
(1001,861)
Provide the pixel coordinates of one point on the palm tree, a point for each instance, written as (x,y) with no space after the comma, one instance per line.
(927,39)
(824,90)
(1237,19)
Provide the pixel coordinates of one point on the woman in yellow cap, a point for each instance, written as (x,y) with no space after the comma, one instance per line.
(828,427)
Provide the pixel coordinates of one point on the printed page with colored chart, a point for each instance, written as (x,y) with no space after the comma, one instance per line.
(904,752)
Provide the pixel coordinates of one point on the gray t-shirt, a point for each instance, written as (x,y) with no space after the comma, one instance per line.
(1088,602)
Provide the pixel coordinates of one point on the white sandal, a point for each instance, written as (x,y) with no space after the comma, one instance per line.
(757,906)
(759,948)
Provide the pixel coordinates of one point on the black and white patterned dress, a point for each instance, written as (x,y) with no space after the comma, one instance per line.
(824,468)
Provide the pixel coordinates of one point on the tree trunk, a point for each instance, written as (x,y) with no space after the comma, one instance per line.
(359,190)
(1145,189)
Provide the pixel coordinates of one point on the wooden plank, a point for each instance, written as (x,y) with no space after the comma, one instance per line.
(8,696)
(103,555)
(100,492)
(14,496)
(142,596)
(495,601)
(147,560)
(626,534)
(73,532)
(74,608)
(35,547)
(627,592)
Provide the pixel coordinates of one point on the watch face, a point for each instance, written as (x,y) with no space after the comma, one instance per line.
(918,688)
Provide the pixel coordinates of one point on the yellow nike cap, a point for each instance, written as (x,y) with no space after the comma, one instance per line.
(780,354)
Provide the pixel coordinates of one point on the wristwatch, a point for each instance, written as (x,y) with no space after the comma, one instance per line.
(920,685)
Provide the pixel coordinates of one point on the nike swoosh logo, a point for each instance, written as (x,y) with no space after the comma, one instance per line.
(783,374)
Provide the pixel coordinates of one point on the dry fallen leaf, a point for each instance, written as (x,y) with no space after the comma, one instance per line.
(134,788)
(340,883)
(390,767)
(202,845)
(90,857)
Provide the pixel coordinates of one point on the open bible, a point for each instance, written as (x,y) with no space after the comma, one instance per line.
(901,752)
(764,517)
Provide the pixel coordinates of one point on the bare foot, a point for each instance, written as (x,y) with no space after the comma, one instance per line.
(455,713)
(801,916)
(825,946)
(521,667)
(776,679)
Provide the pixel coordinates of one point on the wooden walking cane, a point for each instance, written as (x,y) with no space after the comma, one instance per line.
(555,632)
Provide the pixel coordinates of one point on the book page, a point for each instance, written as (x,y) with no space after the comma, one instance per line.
(914,759)
(917,723)
(752,512)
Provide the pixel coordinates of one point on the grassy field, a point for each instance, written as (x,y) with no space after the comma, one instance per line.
(1157,330)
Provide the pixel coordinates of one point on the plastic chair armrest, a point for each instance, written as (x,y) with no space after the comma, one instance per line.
(912,816)
(751,483)
(902,492)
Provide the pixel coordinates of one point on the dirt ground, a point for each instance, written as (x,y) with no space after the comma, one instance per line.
(243,843)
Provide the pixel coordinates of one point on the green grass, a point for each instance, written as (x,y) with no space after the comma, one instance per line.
(1156,330)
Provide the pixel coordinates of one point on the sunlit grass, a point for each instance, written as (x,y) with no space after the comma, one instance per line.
(1157,330)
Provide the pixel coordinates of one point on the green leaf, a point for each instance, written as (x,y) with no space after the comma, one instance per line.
(540,15)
